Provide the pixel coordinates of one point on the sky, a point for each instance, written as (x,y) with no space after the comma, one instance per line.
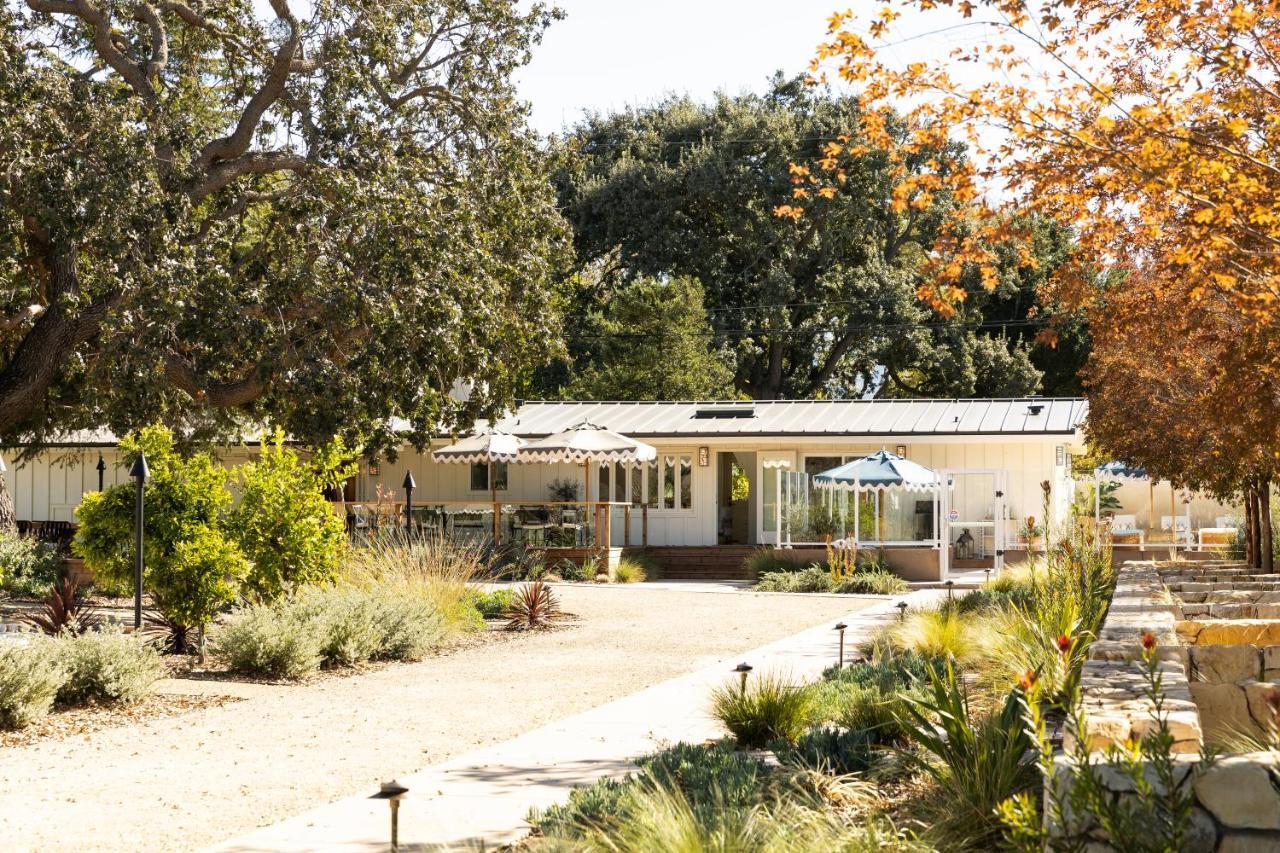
(609,54)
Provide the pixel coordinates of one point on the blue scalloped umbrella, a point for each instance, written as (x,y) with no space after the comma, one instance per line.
(880,470)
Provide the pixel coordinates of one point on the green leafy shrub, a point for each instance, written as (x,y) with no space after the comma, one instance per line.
(261,640)
(283,523)
(711,776)
(192,570)
(348,621)
(813,578)
(572,570)
(30,677)
(736,807)
(769,707)
(493,603)
(28,568)
(105,666)
(872,581)
(358,625)
(329,626)
(830,750)
(867,697)
(630,570)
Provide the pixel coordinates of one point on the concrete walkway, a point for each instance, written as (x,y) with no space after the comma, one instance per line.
(480,799)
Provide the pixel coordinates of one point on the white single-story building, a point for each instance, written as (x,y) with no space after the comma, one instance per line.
(728,474)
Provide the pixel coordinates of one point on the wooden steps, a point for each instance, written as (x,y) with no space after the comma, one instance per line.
(720,562)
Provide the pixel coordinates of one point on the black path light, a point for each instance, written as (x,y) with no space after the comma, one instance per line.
(742,669)
(950,585)
(902,610)
(840,626)
(139,472)
(392,792)
(988,572)
(409,486)
(102,470)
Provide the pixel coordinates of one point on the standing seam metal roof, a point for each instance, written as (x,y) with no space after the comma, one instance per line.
(1057,416)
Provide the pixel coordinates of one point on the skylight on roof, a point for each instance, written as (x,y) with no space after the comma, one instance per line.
(708,412)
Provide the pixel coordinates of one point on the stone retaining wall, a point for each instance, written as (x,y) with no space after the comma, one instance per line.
(1218,633)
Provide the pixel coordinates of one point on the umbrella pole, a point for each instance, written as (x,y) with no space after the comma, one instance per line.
(497,512)
(1173,524)
(880,515)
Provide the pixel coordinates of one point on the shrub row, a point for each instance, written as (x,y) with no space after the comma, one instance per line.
(327,626)
(815,578)
(69,671)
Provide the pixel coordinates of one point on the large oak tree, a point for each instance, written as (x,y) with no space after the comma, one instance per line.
(820,305)
(210,217)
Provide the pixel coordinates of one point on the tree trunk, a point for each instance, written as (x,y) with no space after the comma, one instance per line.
(8,516)
(1250,527)
(1267,563)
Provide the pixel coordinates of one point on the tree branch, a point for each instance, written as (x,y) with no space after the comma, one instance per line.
(103,41)
(255,163)
(223,395)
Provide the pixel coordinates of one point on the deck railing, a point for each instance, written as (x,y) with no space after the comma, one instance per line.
(546,524)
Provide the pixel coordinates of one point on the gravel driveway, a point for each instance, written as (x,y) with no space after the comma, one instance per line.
(182,782)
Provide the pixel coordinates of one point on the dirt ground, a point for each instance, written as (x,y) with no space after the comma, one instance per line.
(182,782)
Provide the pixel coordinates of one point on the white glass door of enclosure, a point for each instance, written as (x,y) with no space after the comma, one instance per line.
(773,466)
(975,519)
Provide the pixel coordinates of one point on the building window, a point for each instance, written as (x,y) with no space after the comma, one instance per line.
(480,477)
(663,484)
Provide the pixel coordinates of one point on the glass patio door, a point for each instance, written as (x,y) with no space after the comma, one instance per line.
(974,517)
(772,466)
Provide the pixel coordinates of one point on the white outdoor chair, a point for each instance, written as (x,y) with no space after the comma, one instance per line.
(1184,526)
(1224,521)
(1125,526)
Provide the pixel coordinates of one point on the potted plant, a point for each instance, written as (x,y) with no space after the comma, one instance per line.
(1032,534)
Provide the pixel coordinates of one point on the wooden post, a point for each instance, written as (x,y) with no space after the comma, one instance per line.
(1173,523)
(497,523)
(607,511)
(626,526)
(644,526)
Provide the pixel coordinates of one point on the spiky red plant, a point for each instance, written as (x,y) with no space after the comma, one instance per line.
(535,606)
(64,610)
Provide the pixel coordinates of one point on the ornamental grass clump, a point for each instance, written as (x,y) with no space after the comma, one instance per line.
(941,633)
(432,568)
(766,708)
(107,666)
(30,677)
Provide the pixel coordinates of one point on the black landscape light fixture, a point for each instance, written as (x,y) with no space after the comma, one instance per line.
(988,573)
(139,472)
(840,626)
(409,486)
(902,610)
(742,669)
(950,585)
(392,792)
(102,470)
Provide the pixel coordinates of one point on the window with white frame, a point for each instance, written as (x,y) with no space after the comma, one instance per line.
(664,484)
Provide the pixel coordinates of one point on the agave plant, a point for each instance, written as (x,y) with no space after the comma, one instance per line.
(65,611)
(534,607)
(173,638)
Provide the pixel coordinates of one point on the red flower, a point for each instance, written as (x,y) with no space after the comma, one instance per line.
(1027,680)
(1064,644)
(1148,641)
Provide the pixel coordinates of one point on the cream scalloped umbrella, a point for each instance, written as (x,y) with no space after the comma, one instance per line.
(586,443)
(486,446)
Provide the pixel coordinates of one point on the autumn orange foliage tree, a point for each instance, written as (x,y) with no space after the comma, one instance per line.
(1150,127)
